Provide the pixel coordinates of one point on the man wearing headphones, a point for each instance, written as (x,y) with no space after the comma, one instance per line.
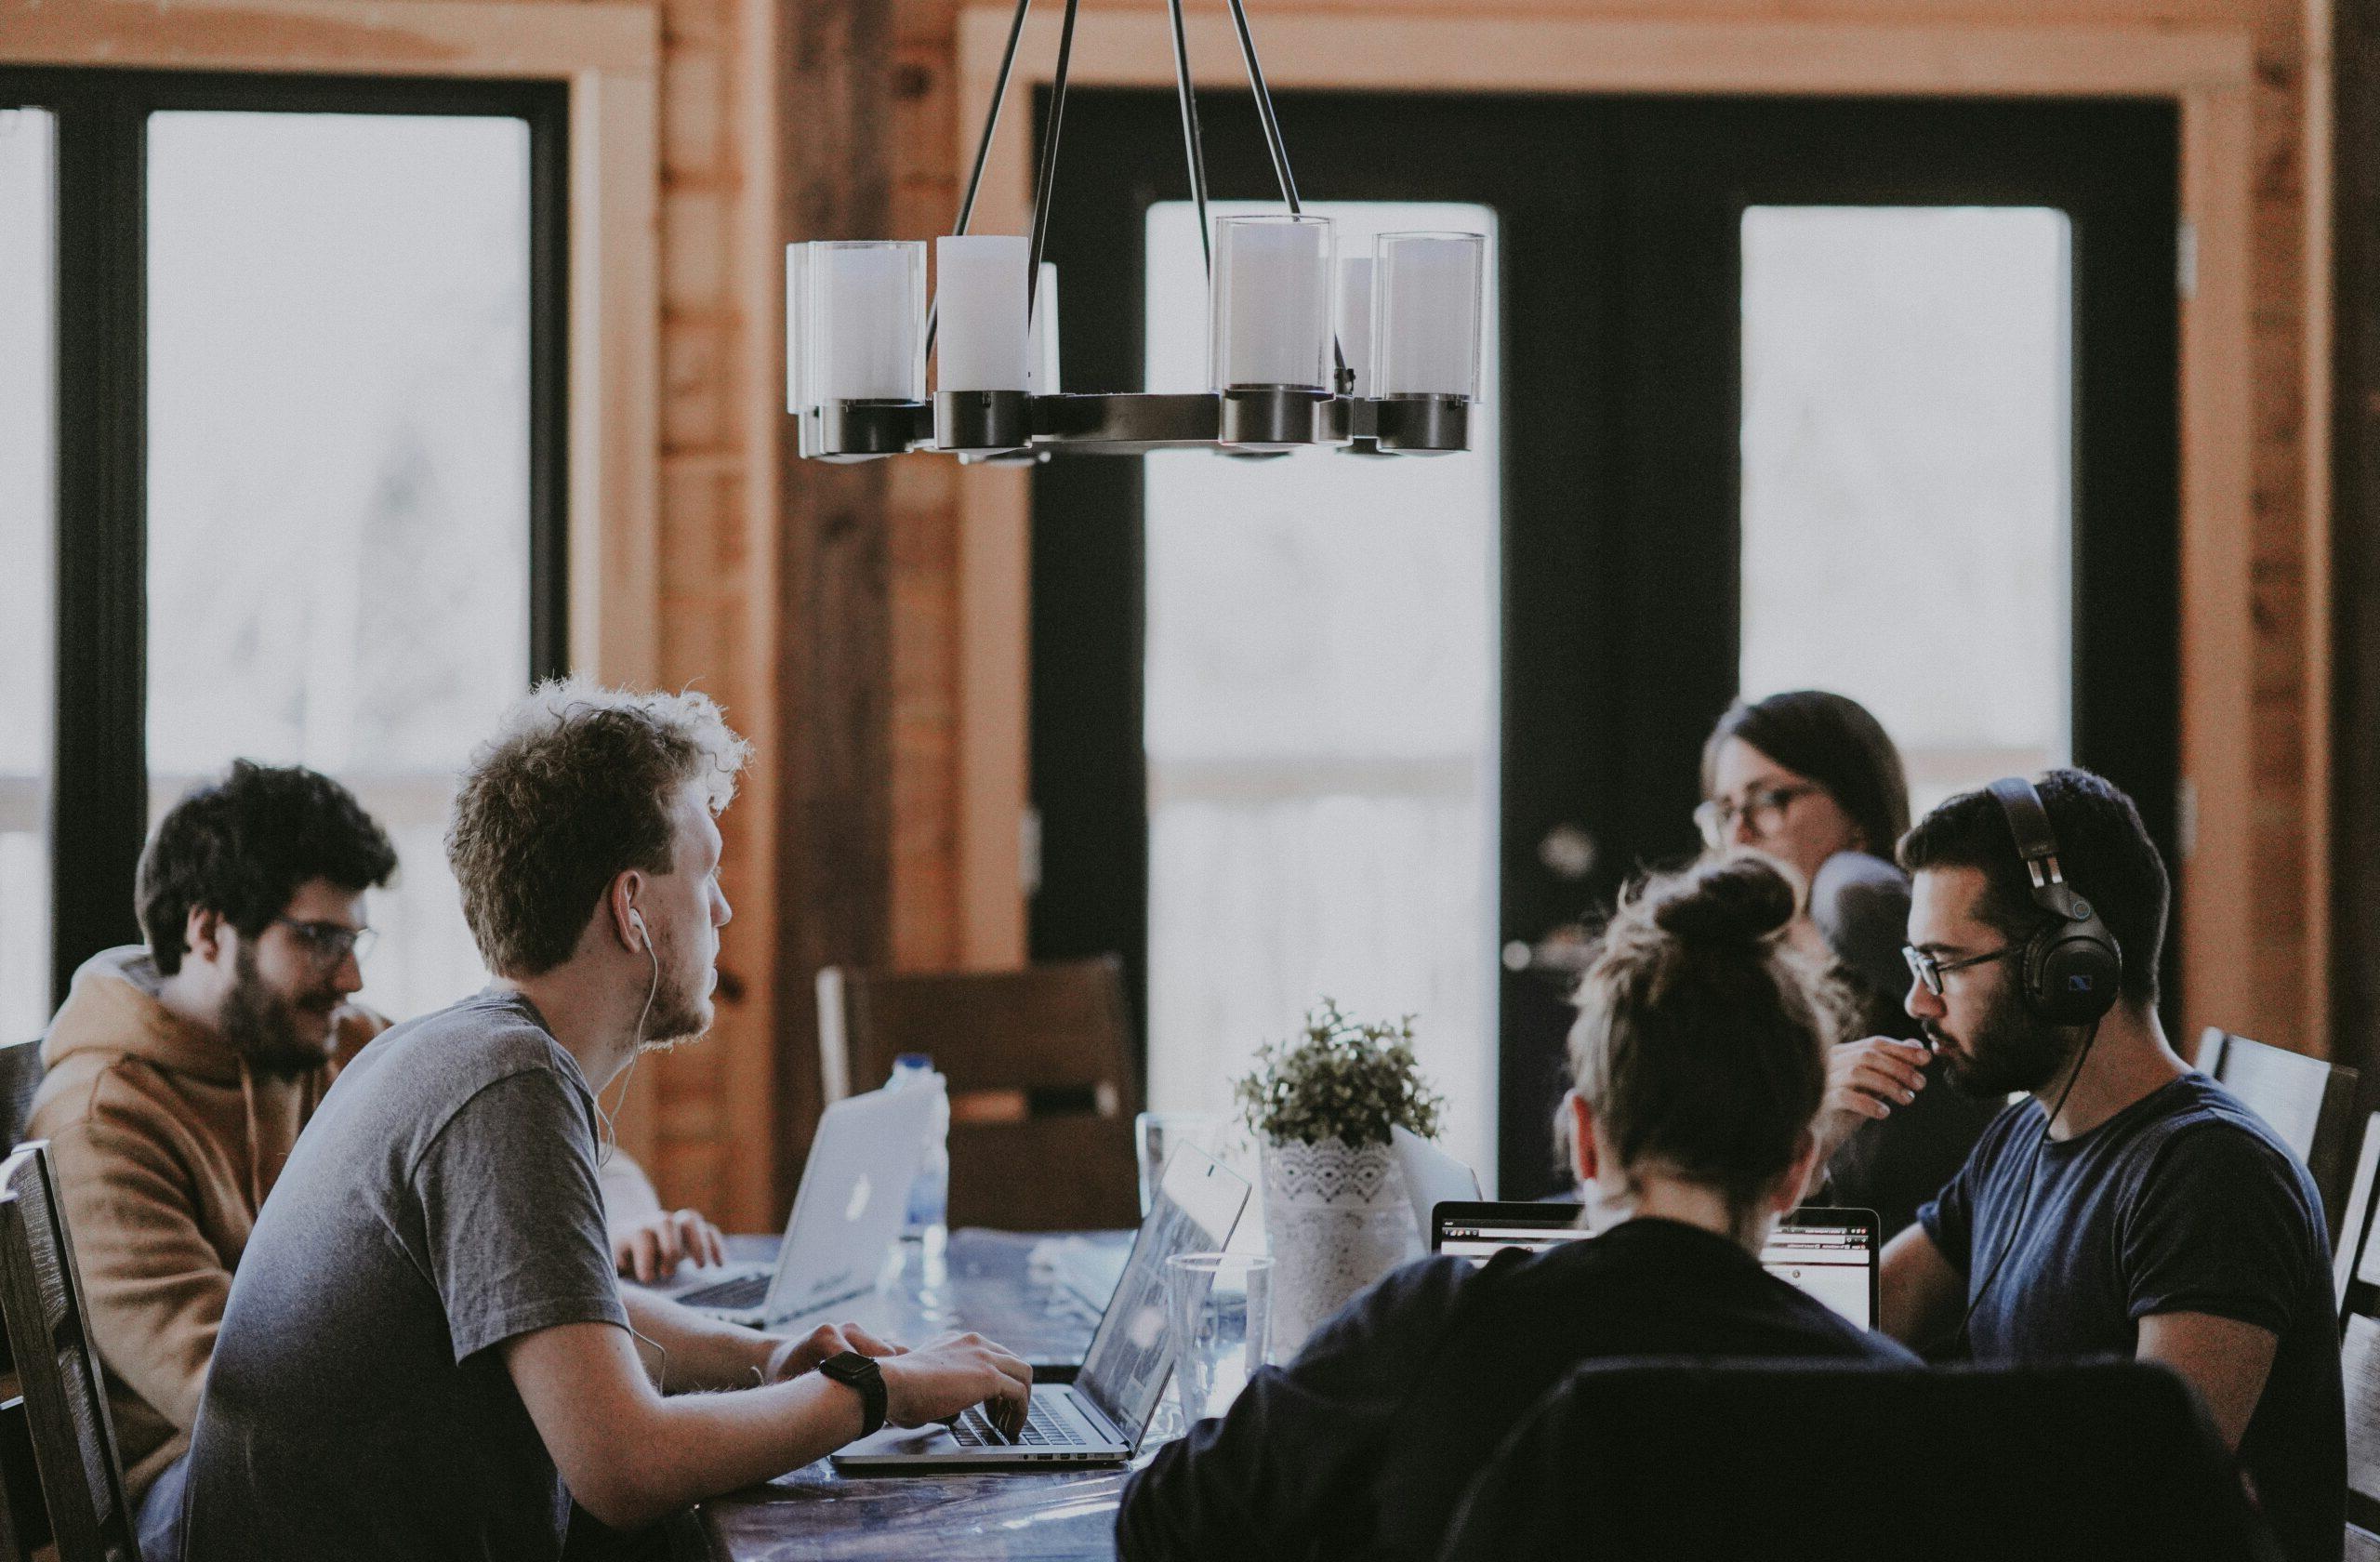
(2127,1205)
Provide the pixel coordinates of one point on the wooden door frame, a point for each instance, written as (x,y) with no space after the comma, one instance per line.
(608,54)
(2208,73)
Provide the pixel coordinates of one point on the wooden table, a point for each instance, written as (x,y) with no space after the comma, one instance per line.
(989,1281)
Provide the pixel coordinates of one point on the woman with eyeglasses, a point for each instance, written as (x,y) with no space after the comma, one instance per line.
(1811,780)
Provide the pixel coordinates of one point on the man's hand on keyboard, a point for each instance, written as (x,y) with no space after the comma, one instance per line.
(800,1355)
(647,1248)
(938,1381)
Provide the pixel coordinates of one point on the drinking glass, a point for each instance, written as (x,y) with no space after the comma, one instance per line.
(1155,1136)
(1219,1315)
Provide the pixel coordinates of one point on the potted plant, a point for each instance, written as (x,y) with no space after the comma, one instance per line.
(1336,1212)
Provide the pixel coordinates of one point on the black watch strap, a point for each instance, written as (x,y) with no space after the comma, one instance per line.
(859,1372)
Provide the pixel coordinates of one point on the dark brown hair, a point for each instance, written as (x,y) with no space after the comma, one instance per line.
(1835,741)
(1700,1040)
(241,845)
(2103,849)
(572,791)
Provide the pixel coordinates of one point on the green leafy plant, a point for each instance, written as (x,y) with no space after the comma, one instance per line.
(1339,1078)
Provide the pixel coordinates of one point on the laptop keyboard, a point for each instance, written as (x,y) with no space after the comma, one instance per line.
(1041,1430)
(744,1291)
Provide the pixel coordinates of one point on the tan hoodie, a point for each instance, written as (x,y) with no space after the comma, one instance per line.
(166,1144)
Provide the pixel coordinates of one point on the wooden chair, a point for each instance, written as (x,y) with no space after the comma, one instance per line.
(2357,1270)
(1042,1091)
(2310,1103)
(71,1437)
(19,1077)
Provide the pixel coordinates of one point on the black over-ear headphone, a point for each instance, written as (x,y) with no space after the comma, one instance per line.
(2072,966)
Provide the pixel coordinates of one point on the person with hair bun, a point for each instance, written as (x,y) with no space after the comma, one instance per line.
(1699,1069)
(1811,780)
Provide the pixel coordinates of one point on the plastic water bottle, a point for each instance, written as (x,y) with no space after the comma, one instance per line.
(929,1193)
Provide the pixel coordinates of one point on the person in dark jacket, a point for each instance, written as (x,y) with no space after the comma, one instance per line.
(1812,780)
(1699,1068)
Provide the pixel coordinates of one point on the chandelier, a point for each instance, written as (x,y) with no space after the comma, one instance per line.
(1375,353)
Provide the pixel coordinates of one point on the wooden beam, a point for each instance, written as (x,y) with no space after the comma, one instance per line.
(834,607)
(1459,51)
(2216,876)
(520,38)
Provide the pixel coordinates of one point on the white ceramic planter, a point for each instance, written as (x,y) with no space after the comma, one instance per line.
(1337,1218)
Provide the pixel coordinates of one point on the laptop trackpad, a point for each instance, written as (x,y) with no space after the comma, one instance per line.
(908,1441)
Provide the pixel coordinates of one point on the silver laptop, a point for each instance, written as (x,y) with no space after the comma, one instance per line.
(846,1216)
(1431,1178)
(1099,1418)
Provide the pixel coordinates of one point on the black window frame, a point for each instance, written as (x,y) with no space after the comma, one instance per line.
(98,786)
(1633,364)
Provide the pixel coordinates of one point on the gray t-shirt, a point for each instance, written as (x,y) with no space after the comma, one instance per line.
(441,1202)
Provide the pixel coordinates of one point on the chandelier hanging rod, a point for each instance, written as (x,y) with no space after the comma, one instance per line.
(860,394)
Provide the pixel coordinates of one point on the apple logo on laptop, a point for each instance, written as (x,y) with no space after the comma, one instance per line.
(858,1206)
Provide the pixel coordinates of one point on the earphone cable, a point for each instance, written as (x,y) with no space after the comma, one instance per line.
(2032,1182)
(611,1138)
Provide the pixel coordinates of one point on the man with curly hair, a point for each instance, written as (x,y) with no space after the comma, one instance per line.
(426,1353)
(180,1072)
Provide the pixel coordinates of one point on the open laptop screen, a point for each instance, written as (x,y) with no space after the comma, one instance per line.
(1198,1204)
(1480,1231)
(1831,1253)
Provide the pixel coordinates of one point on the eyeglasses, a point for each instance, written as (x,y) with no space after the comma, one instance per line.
(1930,969)
(1763,807)
(329,944)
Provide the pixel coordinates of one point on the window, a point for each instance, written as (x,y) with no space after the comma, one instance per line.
(308,471)
(339,474)
(1321,728)
(1906,373)
(28,367)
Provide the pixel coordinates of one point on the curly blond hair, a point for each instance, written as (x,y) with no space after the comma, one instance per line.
(572,791)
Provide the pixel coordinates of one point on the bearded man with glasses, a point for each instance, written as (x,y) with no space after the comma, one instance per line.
(180,1072)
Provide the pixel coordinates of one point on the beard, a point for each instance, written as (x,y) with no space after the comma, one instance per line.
(680,1005)
(2011,1050)
(271,1028)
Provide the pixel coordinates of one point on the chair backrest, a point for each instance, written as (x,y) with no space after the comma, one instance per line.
(1652,1460)
(1039,1064)
(2355,1268)
(2310,1103)
(57,1368)
(2356,1271)
(19,1077)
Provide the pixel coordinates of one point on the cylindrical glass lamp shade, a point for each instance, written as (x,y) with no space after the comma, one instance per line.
(868,316)
(1269,308)
(982,336)
(1355,321)
(798,399)
(1426,299)
(1042,352)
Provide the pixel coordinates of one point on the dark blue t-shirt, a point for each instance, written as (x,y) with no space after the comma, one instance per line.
(2183,1202)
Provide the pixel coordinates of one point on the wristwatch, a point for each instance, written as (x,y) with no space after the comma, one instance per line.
(861,1373)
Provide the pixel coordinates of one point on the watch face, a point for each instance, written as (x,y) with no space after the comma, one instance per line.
(846,1365)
